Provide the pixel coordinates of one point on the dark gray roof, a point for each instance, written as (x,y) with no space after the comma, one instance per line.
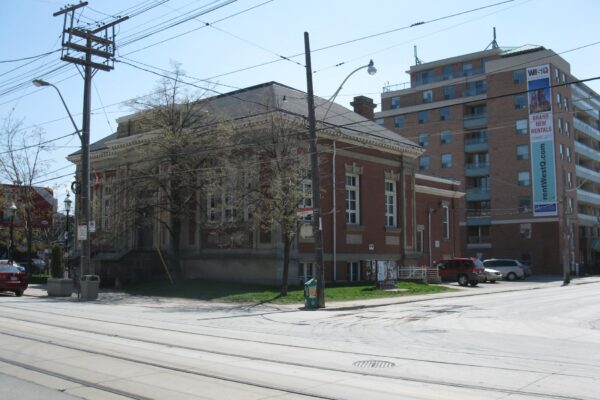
(273,96)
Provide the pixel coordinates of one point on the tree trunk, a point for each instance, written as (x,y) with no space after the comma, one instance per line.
(175,250)
(29,241)
(287,244)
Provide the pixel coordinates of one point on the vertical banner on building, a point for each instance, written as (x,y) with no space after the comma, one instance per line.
(541,134)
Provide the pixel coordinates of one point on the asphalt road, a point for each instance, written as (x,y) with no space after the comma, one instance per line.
(512,340)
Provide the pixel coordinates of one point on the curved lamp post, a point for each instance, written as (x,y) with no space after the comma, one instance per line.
(40,83)
(314,162)
(84,193)
(370,69)
(12,211)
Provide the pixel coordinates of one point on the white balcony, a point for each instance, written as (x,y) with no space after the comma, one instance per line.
(587,151)
(583,196)
(585,128)
(587,174)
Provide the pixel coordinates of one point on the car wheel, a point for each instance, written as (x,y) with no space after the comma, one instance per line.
(492,281)
(463,280)
(511,276)
(18,293)
(473,283)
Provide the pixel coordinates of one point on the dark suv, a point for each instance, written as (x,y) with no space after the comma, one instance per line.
(466,271)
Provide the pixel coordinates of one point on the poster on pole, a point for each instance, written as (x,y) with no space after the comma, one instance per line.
(81,232)
(541,137)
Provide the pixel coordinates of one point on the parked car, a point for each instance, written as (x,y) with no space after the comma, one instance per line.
(492,275)
(12,279)
(510,269)
(15,264)
(466,271)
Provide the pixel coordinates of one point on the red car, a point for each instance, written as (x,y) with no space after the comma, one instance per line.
(13,279)
(466,271)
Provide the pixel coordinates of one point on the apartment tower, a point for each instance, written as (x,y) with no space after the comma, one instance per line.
(521,136)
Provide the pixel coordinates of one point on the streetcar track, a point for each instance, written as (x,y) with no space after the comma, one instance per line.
(296,346)
(271,387)
(78,381)
(141,362)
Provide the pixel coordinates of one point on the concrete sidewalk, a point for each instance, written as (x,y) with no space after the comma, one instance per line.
(109,297)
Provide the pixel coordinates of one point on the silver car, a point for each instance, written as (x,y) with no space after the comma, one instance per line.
(509,268)
(492,275)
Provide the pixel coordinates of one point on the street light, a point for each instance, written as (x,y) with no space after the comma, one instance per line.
(314,161)
(40,83)
(84,191)
(67,209)
(12,211)
(370,69)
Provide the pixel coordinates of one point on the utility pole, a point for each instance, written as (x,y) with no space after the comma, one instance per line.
(316,191)
(96,46)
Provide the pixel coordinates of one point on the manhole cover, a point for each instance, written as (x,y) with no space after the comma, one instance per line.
(373,364)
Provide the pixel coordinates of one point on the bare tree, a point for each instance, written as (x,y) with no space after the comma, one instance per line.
(284,179)
(183,159)
(21,163)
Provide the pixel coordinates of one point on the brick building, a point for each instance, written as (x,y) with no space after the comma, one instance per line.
(520,134)
(370,196)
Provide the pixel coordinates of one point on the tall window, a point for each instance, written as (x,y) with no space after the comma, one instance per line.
(424,139)
(445,222)
(395,102)
(390,203)
(352,199)
(353,271)
(423,117)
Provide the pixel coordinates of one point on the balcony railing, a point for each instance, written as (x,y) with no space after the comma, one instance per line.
(583,196)
(587,151)
(477,194)
(475,121)
(477,169)
(585,128)
(587,174)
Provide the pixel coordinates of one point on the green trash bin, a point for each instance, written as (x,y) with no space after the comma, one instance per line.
(310,294)
(89,287)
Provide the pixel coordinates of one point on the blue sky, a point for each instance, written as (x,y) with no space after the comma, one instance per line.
(257,33)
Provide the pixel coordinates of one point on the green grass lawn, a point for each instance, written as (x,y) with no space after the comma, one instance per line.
(232,292)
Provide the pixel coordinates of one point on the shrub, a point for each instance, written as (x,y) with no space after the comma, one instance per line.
(57,267)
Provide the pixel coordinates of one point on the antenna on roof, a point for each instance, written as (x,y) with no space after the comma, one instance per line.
(417,59)
(494,44)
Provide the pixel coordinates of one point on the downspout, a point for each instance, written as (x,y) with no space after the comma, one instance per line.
(334,191)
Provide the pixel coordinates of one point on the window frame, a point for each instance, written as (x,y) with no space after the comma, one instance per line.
(352,204)
(390,200)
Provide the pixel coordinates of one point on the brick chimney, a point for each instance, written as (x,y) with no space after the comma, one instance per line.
(364,106)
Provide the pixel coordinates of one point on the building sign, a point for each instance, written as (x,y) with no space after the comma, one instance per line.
(541,136)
